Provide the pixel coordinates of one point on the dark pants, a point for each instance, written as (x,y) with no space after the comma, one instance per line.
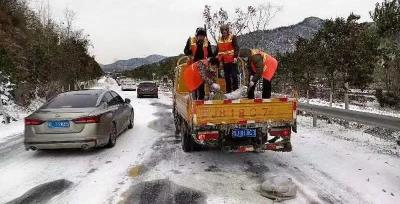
(231,77)
(200,93)
(266,91)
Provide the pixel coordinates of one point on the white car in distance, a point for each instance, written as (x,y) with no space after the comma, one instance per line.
(128,85)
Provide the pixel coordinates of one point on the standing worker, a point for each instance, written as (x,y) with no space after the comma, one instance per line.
(260,65)
(228,50)
(198,48)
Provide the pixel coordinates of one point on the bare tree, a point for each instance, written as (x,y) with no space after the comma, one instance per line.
(44,12)
(241,21)
(69,18)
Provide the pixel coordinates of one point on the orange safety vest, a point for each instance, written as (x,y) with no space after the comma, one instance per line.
(193,46)
(270,64)
(226,50)
(192,76)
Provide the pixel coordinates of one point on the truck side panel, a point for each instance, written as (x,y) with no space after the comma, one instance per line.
(183,107)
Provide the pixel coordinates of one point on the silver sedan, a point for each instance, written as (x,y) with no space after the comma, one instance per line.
(79,119)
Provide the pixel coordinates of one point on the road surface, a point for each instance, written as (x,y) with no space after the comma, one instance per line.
(330,164)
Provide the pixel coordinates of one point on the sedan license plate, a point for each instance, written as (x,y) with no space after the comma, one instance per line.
(240,133)
(58,124)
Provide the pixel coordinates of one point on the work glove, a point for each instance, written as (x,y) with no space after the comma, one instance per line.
(215,87)
(251,84)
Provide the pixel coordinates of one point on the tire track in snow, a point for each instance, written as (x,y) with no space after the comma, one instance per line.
(42,193)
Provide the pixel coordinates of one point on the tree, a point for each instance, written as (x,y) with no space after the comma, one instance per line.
(39,54)
(347,52)
(253,18)
(342,51)
(387,19)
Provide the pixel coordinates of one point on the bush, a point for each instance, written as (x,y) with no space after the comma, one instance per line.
(388,99)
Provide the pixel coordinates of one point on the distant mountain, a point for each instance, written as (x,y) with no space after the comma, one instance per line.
(162,68)
(282,39)
(123,65)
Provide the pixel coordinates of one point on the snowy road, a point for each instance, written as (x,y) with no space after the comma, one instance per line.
(330,164)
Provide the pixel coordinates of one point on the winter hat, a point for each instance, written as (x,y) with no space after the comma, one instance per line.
(201,31)
(224,27)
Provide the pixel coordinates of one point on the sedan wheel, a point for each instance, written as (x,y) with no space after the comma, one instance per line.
(113,137)
(131,121)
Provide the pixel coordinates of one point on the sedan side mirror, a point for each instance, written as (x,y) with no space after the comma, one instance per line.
(127,100)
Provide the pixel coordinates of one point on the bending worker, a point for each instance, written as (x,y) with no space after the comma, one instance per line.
(205,71)
(261,65)
(228,50)
(200,72)
(198,48)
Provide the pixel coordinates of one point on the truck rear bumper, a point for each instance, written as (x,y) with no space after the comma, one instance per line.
(277,147)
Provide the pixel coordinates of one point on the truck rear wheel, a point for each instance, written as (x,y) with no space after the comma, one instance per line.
(188,144)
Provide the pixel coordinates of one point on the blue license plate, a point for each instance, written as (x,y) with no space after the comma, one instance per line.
(241,132)
(58,124)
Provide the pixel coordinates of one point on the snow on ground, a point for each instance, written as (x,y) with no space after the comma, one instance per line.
(370,107)
(9,131)
(94,172)
(330,164)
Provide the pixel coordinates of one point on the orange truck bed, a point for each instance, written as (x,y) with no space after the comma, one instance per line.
(234,125)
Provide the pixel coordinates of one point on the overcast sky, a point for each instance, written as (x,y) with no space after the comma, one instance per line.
(122,29)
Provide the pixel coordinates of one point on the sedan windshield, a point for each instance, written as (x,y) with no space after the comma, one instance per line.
(147,85)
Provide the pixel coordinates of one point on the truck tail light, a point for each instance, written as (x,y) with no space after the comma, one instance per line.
(86,120)
(208,136)
(32,121)
(284,133)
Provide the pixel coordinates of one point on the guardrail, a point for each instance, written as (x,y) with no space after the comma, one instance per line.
(352,116)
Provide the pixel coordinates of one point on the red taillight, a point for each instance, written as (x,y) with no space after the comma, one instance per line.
(284,133)
(258,100)
(31,121)
(242,122)
(84,120)
(208,136)
(294,105)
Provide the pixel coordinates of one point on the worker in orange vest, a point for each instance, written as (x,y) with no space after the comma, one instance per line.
(228,50)
(198,48)
(261,65)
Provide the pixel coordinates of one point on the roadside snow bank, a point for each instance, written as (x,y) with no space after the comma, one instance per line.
(370,107)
